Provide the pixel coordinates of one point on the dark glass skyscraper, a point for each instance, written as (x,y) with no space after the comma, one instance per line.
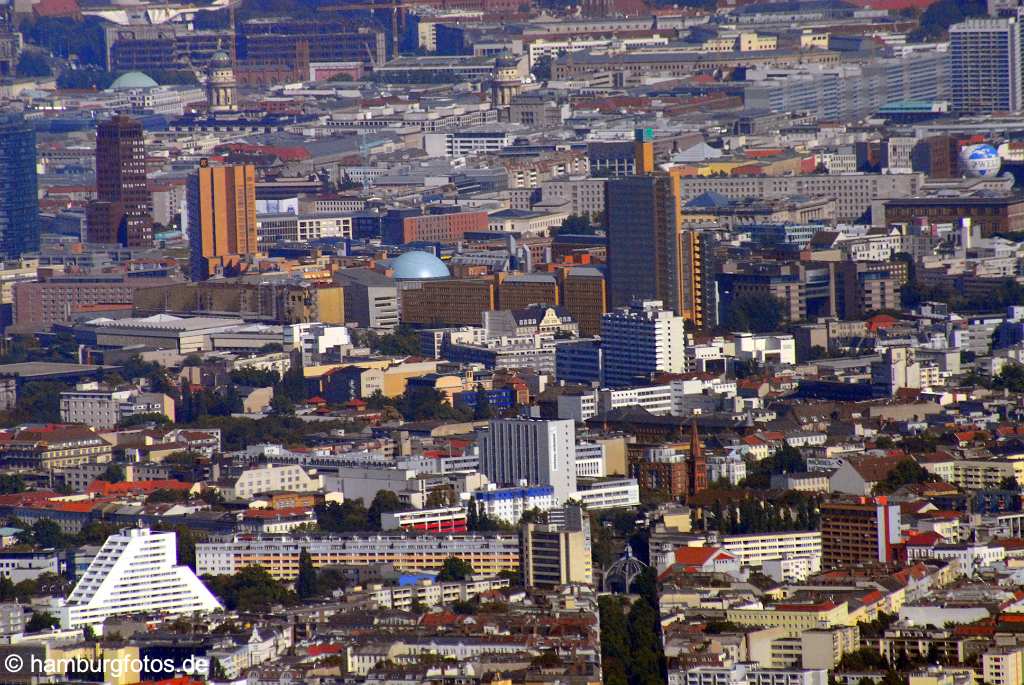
(121,212)
(19,199)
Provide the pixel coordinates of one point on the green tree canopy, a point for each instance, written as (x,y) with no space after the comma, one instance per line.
(756,313)
(455,568)
(385,501)
(306,582)
(252,589)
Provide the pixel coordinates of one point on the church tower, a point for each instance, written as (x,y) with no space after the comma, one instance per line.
(221,88)
(697,467)
(505,82)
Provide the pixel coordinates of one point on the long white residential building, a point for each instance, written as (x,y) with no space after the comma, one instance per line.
(754,549)
(488,554)
(136,571)
(609,494)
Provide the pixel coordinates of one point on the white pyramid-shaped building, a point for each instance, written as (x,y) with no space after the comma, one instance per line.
(136,571)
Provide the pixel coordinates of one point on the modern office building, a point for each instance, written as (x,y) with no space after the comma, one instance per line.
(557,552)
(279,556)
(136,571)
(19,203)
(985,59)
(639,340)
(650,256)
(123,208)
(104,407)
(538,452)
(221,218)
(371,298)
(859,532)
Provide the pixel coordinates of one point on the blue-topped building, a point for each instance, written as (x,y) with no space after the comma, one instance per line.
(418,266)
(509,504)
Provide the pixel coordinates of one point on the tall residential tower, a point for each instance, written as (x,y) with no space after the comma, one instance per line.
(985,66)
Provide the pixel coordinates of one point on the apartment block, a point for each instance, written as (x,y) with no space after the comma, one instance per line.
(279,556)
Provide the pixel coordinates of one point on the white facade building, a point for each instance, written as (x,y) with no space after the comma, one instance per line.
(272,477)
(509,504)
(104,408)
(729,467)
(531,450)
(754,549)
(320,343)
(747,673)
(766,349)
(590,460)
(135,572)
(640,340)
(609,494)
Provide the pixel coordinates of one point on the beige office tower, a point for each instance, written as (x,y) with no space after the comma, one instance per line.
(557,552)
(221,218)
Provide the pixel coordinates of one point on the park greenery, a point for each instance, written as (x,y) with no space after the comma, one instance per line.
(631,647)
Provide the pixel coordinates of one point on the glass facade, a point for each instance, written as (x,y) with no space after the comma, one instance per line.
(19,200)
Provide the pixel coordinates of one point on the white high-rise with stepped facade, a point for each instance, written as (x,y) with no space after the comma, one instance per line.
(135,572)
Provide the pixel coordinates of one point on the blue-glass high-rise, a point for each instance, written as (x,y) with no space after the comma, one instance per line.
(19,199)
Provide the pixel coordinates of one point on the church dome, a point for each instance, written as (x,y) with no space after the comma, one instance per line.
(131,80)
(418,265)
(220,59)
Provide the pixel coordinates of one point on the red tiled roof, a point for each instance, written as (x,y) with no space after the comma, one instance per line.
(102,487)
(819,606)
(929,539)
(699,555)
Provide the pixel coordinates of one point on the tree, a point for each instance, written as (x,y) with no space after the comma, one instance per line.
(906,472)
(482,409)
(114,473)
(454,568)
(66,37)
(33,64)
(441,496)
(47,533)
(403,341)
(1009,483)
(542,68)
(252,589)
(293,382)
(192,360)
(185,541)
(421,403)
(1011,378)
(41,621)
(385,501)
(346,517)
(255,378)
(281,405)
(144,419)
(11,483)
(577,224)
(164,495)
(306,582)
(755,312)
(939,16)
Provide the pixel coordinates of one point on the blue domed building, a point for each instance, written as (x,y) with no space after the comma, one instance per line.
(418,266)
